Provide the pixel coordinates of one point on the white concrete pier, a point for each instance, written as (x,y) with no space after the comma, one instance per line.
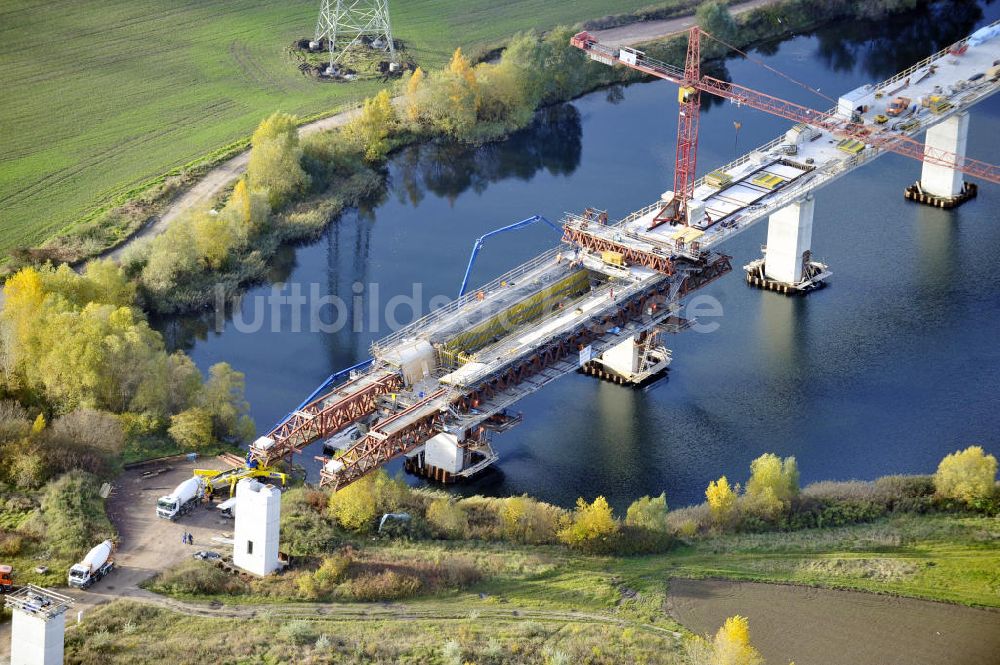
(950,135)
(38,626)
(789,237)
(256,531)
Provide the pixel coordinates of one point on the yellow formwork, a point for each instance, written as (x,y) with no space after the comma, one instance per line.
(767,180)
(522,312)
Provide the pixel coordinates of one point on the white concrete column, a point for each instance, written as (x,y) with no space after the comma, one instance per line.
(36,640)
(623,358)
(789,236)
(256,528)
(950,135)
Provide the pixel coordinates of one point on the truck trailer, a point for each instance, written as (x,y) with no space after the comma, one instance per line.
(98,563)
(184,497)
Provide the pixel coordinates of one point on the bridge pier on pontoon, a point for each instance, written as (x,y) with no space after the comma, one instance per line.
(939,185)
(787,266)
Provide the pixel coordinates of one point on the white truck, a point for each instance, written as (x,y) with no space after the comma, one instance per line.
(184,497)
(98,563)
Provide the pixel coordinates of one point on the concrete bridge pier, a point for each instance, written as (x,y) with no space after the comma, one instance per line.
(943,186)
(632,361)
(787,266)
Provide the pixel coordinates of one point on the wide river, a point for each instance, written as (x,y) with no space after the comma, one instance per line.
(893,365)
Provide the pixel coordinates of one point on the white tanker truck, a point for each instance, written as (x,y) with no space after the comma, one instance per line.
(184,497)
(98,563)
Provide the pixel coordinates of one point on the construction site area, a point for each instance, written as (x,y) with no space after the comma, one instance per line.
(436,395)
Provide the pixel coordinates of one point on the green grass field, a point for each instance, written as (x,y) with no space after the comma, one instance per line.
(100,97)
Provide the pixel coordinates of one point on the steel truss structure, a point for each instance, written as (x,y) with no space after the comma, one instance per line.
(345,23)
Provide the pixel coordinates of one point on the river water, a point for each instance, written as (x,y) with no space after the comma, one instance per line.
(890,367)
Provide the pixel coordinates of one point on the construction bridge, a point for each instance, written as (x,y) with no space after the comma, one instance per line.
(436,390)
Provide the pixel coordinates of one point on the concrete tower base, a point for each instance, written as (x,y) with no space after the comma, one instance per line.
(787,265)
(633,361)
(256,531)
(35,640)
(942,186)
(38,625)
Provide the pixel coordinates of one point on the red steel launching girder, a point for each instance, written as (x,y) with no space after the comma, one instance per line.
(386,442)
(627,309)
(596,243)
(379,446)
(323,418)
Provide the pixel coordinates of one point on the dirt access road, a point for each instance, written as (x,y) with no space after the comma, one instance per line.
(147,543)
(830,627)
(206,190)
(647,31)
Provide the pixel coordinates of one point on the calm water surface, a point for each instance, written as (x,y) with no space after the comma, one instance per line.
(892,366)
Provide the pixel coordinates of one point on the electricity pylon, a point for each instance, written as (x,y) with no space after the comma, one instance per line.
(344,22)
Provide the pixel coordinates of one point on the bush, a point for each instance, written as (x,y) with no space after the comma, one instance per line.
(387,585)
(592,527)
(356,506)
(192,429)
(195,577)
(968,476)
(772,486)
(298,631)
(528,521)
(324,580)
(73,513)
(447,518)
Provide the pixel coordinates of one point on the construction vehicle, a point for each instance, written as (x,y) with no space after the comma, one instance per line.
(6,579)
(897,107)
(98,563)
(184,497)
(215,481)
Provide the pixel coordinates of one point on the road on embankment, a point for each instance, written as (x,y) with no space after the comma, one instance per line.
(206,190)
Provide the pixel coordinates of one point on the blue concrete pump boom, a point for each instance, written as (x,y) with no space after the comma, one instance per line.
(478,245)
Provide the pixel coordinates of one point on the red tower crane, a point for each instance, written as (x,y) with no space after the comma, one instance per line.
(692,83)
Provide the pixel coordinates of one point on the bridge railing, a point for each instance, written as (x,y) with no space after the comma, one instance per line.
(911,70)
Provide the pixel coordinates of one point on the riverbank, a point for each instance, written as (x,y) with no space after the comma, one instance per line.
(753,25)
(540,602)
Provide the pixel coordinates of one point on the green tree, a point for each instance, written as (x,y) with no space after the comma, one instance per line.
(214,238)
(967,475)
(414,88)
(370,129)
(592,527)
(721,500)
(773,483)
(648,513)
(275,159)
(355,507)
(222,396)
(172,253)
(192,429)
(714,18)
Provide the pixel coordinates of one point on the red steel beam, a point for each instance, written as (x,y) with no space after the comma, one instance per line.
(380,446)
(316,420)
(595,243)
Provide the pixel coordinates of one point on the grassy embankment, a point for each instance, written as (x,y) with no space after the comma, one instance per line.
(540,604)
(104,99)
